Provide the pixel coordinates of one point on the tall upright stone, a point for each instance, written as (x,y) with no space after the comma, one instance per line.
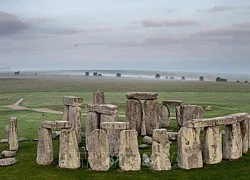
(160,150)
(232,144)
(113,134)
(98,153)
(7,130)
(164,117)
(150,115)
(244,134)
(69,152)
(134,114)
(189,112)
(212,139)
(13,137)
(189,148)
(92,122)
(45,147)
(129,156)
(75,117)
(98,97)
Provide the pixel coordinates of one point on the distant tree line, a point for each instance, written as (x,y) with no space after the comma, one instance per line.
(219,79)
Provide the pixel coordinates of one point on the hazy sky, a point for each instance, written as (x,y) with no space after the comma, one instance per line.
(193,35)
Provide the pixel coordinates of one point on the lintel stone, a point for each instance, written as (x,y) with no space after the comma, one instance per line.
(142,95)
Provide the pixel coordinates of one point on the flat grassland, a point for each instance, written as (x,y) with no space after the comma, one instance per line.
(42,91)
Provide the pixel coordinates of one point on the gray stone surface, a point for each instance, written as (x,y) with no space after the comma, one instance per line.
(8,154)
(7,129)
(68,151)
(108,109)
(7,162)
(142,95)
(45,147)
(65,113)
(212,145)
(172,102)
(129,156)
(164,117)
(143,146)
(244,134)
(147,140)
(134,114)
(160,150)
(56,125)
(232,143)
(208,108)
(189,112)
(75,118)
(150,115)
(98,97)
(172,136)
(143,129)
(92,122)
(115,125)
(98,154)
(189,149)
(72,101)
(13,136)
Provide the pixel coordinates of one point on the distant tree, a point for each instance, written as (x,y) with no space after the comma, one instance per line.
(87,73)
(157,76)
(183,78)
(95,73)
(118,75)
(166,77)
(237,81)
(172,77)
(17,72)
(246,81)
(218,79)
(201,78)
(99,75)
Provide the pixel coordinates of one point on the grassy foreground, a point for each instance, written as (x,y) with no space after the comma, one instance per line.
(47,92)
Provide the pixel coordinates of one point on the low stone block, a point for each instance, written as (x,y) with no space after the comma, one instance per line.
(115,125)
(8,154)
(142,95)
(7,162)
(72,101)
(147,140)
(109,109)
(56,125)
(172,136)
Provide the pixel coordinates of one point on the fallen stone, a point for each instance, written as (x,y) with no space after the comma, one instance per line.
(72,101)
(208,108)
(8,154)
(98,97)
(142,95)
(129,156)
(56,125)
(108,109)
(134,114)
(232,144)
(150,115)
(146,160)
(7,162)
(13,137)
(69,152)
(98,153)
(172,136)
(172,102)
(143,146)
(115,125)
(212,151)
(147,140)
(160,150)
(3,140)
(189,149)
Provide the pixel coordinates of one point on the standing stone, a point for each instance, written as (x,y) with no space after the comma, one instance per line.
(244,133)
(189,112)
(178,115)
(7,129)
(65,113)
(13,138)
(98,97)
(76,121)
(164,117)
(113,134)
(134,114)
(160,150)
(150,115)
(212,145)
(143,129)
(129,156)
(45,147)
(232,144)
(189,148)
(98,154)
(69,152)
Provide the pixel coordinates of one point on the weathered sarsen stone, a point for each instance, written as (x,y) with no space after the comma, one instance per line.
(45,147)
(98,154)
(164,117)
(142,95)
(232,144)
(129,156)
(7,161)
(7,129)
(150,115)
(189,148)
(244,134)
(134,114)
(212,151)
(160,150)
(72,101)
(115,125)
(75,118)
(13,137)
(92,122)
(189,112)
(98,97)
(56,125)
(69,152)
(109,109)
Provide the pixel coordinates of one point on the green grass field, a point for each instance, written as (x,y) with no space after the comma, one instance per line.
(47,92)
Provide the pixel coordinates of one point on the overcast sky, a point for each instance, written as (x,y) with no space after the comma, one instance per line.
(193,35)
